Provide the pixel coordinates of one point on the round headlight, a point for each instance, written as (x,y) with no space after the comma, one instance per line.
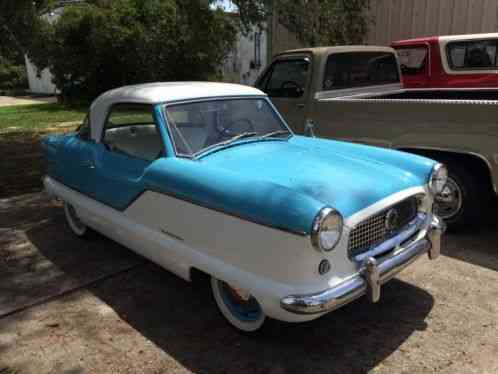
(327,229)
(438,178)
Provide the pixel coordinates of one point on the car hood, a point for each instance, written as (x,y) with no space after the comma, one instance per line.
(348,177)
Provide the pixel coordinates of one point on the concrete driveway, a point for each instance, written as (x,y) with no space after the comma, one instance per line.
(25,100)
(70,306)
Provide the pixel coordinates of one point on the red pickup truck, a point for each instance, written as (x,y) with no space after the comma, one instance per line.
(449,61)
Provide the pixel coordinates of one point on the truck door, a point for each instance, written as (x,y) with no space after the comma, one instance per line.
(286,82)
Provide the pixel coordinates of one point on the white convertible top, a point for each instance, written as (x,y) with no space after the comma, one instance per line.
(162,92)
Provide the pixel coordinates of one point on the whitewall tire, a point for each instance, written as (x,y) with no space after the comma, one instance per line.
(243,312)
(74,222)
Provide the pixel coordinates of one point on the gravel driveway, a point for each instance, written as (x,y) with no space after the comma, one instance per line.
(70,306)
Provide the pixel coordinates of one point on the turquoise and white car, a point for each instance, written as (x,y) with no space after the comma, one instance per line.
(207,177)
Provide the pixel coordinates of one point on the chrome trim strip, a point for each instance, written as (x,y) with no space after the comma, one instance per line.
(367,98)
(358,217)
(171,235)
(380,89)
(371,275)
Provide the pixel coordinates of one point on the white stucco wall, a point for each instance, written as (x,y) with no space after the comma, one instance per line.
(39,84)
(42,84)
(241,65)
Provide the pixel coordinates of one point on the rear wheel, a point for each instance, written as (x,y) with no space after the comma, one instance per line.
(75,223)
(464,200)
(238,306)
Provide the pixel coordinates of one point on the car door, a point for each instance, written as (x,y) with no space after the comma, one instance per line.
(77,168)
(287,84)
(130,142)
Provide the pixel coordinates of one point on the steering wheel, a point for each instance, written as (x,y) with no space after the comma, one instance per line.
(225,131)
(291,84)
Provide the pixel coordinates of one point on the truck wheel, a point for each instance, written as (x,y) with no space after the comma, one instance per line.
(239,307)
(75,224)
(463,201)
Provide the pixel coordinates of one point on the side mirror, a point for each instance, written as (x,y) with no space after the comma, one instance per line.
(309,128)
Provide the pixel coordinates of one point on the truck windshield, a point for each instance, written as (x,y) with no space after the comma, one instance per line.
(199,126)
(360,69)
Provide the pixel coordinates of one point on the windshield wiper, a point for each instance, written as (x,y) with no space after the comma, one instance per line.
(227,142)
(275,133)
(237,137)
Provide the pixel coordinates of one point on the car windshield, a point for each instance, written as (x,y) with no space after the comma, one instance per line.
(200,126)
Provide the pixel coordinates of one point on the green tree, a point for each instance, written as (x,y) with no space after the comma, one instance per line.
(19,22)
(101,45)
(314,22)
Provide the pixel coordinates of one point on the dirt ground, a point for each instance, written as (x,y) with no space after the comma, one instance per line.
(21,162)
(70,306)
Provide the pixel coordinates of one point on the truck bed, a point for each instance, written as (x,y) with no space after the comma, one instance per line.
(464,120)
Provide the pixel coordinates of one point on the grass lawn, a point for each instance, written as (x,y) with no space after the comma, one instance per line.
(39,117)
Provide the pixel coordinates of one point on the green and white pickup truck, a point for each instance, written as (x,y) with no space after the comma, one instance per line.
(355,93)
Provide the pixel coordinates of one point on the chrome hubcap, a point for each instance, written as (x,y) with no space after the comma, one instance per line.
(241,303)
(449,202)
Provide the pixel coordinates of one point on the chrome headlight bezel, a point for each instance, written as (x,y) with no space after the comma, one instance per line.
(438,179)
(319,223)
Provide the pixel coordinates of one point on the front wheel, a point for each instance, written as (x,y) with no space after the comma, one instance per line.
(238,306)
(463,201)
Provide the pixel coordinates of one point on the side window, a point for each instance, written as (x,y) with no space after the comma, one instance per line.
(475,54)
(84,129)
(287,78)
(357,69)
(130,129)
(413,61)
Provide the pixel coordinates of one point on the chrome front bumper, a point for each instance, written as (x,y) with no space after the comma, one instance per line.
(371,275)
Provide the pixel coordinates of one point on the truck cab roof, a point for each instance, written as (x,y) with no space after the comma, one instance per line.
(337,49)
(443,38)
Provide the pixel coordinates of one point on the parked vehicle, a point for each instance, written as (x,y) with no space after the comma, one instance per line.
(206,177)
(463,61)
(354,93)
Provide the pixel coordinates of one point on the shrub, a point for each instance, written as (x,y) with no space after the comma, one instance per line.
(91,48)
(12,76)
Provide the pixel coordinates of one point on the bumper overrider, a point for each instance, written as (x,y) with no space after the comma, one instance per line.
(375,268)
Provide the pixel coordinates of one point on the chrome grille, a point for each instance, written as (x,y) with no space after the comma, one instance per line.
(374,230)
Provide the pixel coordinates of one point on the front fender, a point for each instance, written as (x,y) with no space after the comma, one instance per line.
(232,193)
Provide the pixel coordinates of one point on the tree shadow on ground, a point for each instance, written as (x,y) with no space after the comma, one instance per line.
(182,319)
(29,274)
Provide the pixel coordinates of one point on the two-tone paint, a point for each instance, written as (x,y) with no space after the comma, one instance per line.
(242,214)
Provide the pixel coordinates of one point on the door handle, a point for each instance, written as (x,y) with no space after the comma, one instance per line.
(88,164)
